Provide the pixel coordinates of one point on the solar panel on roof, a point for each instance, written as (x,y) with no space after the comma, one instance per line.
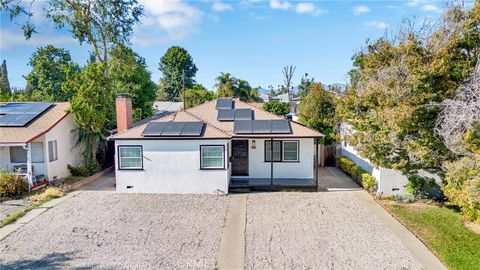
(192,129)
(225,115)
(153,129)
(173,129)
(242,126)
(167,129)
(243,114)
(224,103)
(280,126)
(19,114)
(261,126)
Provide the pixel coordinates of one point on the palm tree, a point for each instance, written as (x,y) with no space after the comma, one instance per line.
(225,84)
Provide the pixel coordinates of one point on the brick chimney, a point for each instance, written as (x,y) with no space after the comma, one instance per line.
(124,112)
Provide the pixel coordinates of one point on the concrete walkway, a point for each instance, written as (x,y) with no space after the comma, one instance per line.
(232,245)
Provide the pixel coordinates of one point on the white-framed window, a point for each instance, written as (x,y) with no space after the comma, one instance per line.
(130,157)
(52,150)
(18,154)
(290,150)
(277,151)
(212,157)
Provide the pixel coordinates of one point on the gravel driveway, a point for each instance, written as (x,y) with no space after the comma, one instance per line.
(120,231)
(331,230)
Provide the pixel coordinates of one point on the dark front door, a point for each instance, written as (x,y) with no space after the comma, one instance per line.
(240,157)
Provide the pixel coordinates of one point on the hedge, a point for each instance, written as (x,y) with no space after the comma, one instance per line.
(359,175)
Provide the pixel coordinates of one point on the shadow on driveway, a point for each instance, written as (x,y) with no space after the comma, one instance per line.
(51,261)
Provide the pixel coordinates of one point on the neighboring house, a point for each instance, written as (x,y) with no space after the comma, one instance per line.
(390,181)
(36,140)
(212,147)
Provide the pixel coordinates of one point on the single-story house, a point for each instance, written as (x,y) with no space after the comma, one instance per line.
(221,144)
(36,140)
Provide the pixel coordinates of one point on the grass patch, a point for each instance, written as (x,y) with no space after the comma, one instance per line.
(48,194)
(443,231)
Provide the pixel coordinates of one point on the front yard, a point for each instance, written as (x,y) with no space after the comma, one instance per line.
(442,230)
(120,231)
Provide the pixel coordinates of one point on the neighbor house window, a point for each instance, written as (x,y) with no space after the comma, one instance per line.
(18,154)
(212,157)
(277,152)
(130,157)
(290,150)
(52,151)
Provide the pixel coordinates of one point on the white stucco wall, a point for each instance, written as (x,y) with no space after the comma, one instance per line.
(258,168)
(171,166)
(67,153)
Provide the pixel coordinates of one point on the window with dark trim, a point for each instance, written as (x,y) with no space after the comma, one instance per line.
(130,157)
(212,157)
(283,151)
(277,151)
(290,150)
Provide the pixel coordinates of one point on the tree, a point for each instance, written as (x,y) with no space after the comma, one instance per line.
(229,86)
(4,82)
(287,72)
(129,74)
(197,95)
(178,71)
(396,84)
(50,68)
(317,110)
(92,108)
(304,85)
(277,107)
(225,84)
(101,23)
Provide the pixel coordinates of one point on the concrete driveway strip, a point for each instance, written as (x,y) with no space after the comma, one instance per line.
(414,245)
(232,246)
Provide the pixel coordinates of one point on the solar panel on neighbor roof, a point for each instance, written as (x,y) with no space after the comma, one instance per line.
(261,126)
(242,126)
(153,129)
(243,114)
(192,129)
(20,114)
(280,126)
(225,115)
(224,103)
(173,129)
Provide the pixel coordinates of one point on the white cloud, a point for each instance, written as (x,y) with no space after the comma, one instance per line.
(305,8)
(220,6)
(376,24)
(360,10)
(430,7)
(11,39)
(175,17)
(278,4)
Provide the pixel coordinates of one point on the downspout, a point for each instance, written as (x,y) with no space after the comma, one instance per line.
(27,147)
(271,161)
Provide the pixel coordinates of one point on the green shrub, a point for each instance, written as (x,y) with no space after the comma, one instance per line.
(463,186)
(77,171)
(90,168)
(12,184)
(359,175)
(369,182)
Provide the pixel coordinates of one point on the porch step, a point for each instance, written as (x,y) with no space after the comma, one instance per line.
(239,190)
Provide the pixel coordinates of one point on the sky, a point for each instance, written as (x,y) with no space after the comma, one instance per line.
(251,39)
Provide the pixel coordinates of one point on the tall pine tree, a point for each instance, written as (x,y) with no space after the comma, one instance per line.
(4,83)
